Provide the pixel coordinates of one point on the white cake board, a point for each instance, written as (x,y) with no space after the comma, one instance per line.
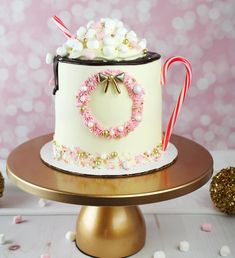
(167,158)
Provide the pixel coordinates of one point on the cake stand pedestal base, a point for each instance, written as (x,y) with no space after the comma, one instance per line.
(107,231)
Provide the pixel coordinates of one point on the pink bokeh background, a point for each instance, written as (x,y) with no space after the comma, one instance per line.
(201,31)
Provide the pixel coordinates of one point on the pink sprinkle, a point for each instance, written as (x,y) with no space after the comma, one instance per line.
(17,219)
(207,227)
(45,256)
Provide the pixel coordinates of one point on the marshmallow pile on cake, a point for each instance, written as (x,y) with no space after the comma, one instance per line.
(108,99)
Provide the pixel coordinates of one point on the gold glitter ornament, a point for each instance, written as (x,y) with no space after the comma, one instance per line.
(114,154)
(125,41)
(145,51)
(222,190)
(82,109)
(1,185)
(106,133)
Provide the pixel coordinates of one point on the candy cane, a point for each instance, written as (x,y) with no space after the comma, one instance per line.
(62,26)
(181,97)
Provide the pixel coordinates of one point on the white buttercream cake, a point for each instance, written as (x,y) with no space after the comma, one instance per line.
(108,99)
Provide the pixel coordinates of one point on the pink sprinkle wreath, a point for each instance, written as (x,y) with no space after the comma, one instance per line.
(135,92)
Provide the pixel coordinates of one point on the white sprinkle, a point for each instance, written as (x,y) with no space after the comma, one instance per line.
(71,236)
(2,239)
(84,88)
(49,58)
(224,251)
(104,156)
(184,246)
(159,254)
(138,118)
(137,89)
(82,98)
(42,203)
(120,128)
(90,124)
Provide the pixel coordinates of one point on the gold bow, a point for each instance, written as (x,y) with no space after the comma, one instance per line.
(114,79)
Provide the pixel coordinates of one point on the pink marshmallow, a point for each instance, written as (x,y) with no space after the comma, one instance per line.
(207,227)
(17,219)
(45,256)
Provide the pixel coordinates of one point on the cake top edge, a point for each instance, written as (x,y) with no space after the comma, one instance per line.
(147,58)
(106,39)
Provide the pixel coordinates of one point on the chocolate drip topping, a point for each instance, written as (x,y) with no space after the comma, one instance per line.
(149,57)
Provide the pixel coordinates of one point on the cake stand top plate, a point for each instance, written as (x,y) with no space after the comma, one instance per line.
(192,169)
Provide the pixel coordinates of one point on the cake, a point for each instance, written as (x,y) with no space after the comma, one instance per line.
(108,99)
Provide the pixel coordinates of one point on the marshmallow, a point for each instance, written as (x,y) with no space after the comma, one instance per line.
(75,54)
(110,41)
(143,43)
(49,58)
(224,251)
(184,246)
(17,219)
(77,46)
(70,43)
(89,24)
(123,48)
(207,227)
(159,254)
(81,32)
(121,31)
(131,36)
(45,256)
(2,239)
(42,203)
(71,236)
(93,44)
(61,51)
(109,50)
(90,33)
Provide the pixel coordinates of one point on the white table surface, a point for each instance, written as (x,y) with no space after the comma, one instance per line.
(168,223)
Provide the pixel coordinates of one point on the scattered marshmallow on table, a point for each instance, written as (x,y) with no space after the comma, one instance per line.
(184,246)
(159,254)
(42,203)
(71,236)
(17,219)
(2,239)
(207,227)
(224,251)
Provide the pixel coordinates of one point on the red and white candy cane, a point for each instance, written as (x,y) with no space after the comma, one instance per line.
(62,26)
(181,97)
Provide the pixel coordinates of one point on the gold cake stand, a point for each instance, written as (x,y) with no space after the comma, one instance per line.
(110,225)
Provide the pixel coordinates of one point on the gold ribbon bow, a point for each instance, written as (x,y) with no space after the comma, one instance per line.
(114,79)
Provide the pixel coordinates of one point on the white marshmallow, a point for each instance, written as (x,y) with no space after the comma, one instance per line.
(121,31)
(143,43)
(61,51)
(71,236)
(159,254)
(77,46)
(123,48)
(110,41)
(109,50)
(109,23)
(81,32)
(184,246)
(131,36)
(137,89)
(89,24)
(49,58)
(70,43)
(224,251)
(75,54)
(93,44)
(2,239)
(90,33)
(42,203)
